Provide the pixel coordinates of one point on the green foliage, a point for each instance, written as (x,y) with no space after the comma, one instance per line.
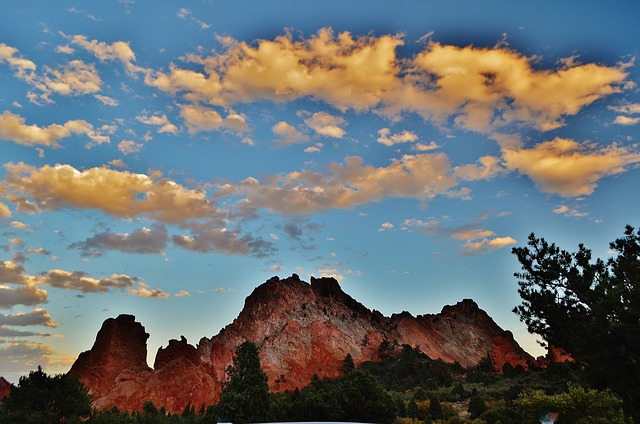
(458,392)
(42,399)
(591,309)
(363,400)
(476,404)
(245,395)
(577,406)
(410,369)
(435,409)
(347,364)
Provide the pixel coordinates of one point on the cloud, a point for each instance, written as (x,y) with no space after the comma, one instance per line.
(488,88)
(29,294)
(315,148)
(13,127)
(36,317)
(11,273)
(626,120)
(325,67)
(161,121)
(568,168)
(127,147)
(109,101)
(421,147)
(487,245)
(24,68)
(39,251)
(469,234)
(627,109)
(567,211)
(6,332)
(213,236)
(349,184)
(198,118)
(288,134)
(72,79)
(480,89)
(118,50)
(20,225)
(427,227)
(182,293)
(17,358)
(389,140)
(186,14)
(326,124)
(143,290)
(141,241)
(386,226)
(80,281)
(489,167)
(120,193)
(5,212)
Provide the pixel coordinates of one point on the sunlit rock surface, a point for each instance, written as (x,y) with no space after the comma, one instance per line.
(301,329)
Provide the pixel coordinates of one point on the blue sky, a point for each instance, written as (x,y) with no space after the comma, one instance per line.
(164,158)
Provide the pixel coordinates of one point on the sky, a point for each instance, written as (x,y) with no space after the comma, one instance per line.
(164,158)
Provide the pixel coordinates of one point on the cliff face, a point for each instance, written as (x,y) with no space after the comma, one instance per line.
(5,388)
(300,329)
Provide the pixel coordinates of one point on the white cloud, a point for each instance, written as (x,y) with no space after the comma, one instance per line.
(129,146)
(389,140)
(386,226)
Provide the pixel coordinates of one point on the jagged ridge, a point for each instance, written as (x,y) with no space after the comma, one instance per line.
(301,329)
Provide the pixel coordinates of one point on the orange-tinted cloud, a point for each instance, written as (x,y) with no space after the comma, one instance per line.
(143,290)
(388,139)
(198,118)
(487,88)
(13,128)
(350,184)
(482,89)
(119,193)
(288,134)
(566,167)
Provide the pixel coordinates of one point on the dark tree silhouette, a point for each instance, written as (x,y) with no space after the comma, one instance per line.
(591,309)
(245,395)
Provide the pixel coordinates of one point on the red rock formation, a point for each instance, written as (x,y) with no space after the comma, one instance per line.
(5,388)
(556,354)
(121,345)
(301,329)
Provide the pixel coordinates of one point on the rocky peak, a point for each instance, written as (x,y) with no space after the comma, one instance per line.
(121,344)
(301,329)
(176,349)
(5,388)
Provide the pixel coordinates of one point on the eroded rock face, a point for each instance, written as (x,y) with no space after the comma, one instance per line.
(5,388)
(121,345)
(301,329)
